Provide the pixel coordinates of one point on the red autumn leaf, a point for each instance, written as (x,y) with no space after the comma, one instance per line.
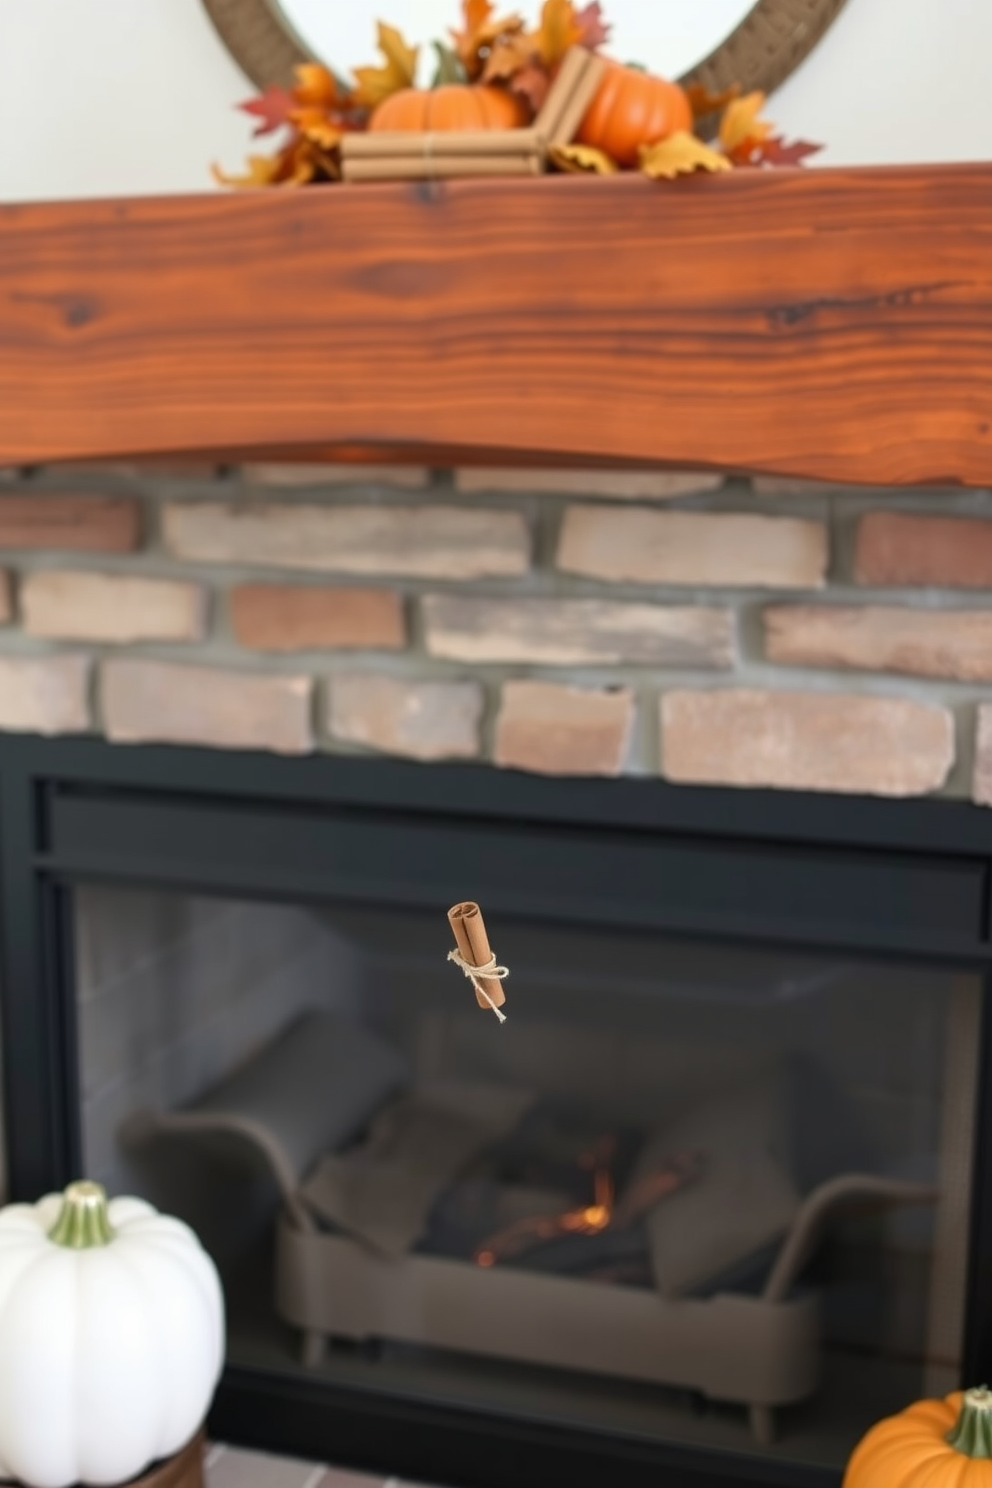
(703,102)
(271,108)
(775,151)
(593,30)
(532,82)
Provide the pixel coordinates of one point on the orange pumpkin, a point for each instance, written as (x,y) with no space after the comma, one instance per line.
(631,109)
(453,106)
(947,1443)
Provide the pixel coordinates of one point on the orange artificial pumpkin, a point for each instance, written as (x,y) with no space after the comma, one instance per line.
(453,106)
(947,1443)
(632,109)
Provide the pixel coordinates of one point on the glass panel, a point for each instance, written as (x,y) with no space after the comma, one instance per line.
(709,1195)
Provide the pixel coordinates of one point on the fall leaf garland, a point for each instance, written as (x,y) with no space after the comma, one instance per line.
(494,48)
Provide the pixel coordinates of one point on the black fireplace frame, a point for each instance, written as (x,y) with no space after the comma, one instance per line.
(910,878)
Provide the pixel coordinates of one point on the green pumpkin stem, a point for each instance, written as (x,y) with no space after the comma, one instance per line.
(82,1222)
(972,1432)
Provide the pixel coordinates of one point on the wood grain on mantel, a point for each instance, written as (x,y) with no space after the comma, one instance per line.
(833,324)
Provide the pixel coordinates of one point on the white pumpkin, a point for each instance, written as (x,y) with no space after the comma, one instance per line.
(111,1337)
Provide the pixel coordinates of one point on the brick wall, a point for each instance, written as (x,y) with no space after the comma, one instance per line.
(752,633)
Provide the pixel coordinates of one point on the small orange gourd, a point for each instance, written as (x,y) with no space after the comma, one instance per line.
(946,1443)
(452,106)
(632,109)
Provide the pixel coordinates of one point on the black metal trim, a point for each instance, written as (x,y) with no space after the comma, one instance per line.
(446,1445)
(977,1350)
(48,786)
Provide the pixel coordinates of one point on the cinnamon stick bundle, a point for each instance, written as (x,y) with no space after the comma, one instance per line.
(569,96)
(475,954)
(394,142)
(438,167)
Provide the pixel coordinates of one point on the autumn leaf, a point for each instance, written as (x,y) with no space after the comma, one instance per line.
(582,160)
(398,70)
(532,83)
(703,102)
(305,161)
(508,55)
(557,32)
(316,125)
(271,108)
(775,151)
(261,171)
(316,85)
(741,128)
(593,30)
(679,155)
(482,35)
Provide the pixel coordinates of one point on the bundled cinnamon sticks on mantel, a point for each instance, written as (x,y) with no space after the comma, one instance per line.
(473,954)
(388,155)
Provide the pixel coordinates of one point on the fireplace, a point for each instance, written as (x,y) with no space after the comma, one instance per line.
(744,1063)
(719,1192)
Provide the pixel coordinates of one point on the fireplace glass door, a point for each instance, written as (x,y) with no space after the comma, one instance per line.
(707,1194)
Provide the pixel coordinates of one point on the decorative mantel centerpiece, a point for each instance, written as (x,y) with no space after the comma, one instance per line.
(111,1340)
(515,94)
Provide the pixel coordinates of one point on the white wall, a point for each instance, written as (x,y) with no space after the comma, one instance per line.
(116,97)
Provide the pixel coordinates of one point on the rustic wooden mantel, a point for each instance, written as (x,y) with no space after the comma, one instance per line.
(821,323)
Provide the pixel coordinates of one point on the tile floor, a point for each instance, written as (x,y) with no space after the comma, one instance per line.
(232,1467)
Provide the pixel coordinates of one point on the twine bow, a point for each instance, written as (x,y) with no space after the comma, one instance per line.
(474,973)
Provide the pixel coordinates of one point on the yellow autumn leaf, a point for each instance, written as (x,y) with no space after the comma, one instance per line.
(507,56)
(261,171)
(483,32)
(558,31)
(740,122)
(582,160)
(679,155)
(398,70)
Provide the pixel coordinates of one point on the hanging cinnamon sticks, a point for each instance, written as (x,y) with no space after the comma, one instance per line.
(473,954)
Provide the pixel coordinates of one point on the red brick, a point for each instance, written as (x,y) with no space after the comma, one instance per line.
(279,617)
(730,549)
(897,550)
(165,702)
(806,741)
(420,720)
(553,729)
(72,522)
(877,638)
